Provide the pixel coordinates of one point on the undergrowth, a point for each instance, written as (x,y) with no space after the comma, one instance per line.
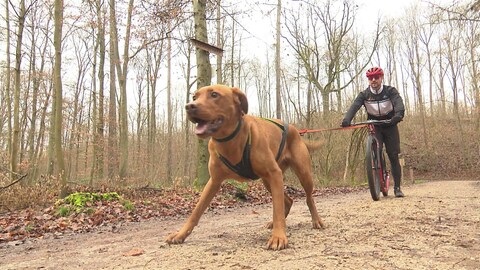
(82,202)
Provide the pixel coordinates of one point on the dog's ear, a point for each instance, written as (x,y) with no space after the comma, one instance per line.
(242,99)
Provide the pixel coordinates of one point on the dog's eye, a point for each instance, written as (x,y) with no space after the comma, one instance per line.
(194,98)
(214,94)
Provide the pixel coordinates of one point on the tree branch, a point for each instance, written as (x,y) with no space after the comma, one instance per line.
(14,182)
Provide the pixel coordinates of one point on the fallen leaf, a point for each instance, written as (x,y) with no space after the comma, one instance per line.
(134,252)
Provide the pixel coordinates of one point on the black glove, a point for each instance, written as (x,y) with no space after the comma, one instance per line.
(395,119)
(345,123)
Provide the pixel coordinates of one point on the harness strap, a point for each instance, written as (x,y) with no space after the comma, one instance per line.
(284,127)
(234,133)
(244,167)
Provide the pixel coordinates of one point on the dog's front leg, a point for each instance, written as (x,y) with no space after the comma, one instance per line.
(211,188)
(278,240)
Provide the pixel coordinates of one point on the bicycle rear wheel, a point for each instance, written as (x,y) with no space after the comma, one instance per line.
(373,169)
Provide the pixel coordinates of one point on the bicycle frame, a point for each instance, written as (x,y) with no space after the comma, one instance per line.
(378,176)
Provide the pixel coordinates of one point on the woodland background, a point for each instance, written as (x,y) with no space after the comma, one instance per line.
(111,112)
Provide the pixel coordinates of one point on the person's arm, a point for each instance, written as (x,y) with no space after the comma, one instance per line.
(398,106)
(356,105)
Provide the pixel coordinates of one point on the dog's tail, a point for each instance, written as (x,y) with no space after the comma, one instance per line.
(313,145)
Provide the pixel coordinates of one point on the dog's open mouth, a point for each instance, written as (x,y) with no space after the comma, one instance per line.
(205,127)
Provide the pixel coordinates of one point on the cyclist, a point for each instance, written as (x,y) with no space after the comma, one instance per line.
(382,102)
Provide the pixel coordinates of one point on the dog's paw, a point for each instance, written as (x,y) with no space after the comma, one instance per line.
(174,238)
(277,243)
(318,224)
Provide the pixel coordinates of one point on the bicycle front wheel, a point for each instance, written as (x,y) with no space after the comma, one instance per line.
(386,177)
(372,166)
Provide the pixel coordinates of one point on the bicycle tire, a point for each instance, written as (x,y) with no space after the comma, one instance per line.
(372,168)
(385,176)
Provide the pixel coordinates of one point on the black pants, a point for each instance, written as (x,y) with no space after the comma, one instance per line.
(390,136)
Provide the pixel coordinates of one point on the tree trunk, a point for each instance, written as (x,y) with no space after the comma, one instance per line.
(16,95)
(57,43)
(441,84)
(33,119)
(94,112)
(169,107)
(153,75)
(72,161)
(51,133)
(454,63)
(36,144)
(7,80)
(232,63)
(188,68)
(99,124)
(41,132)
(219,44)
(277,63)
(325,102)
(112,107)
(204,77)
(122,81)
(473,44)
(420,95)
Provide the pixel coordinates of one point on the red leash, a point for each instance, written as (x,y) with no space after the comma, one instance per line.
(303,131)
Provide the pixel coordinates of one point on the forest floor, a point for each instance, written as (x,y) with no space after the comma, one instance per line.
(436,226)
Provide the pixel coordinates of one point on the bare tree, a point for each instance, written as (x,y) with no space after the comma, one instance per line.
(8,91)
(315,55)
(219,43)
(57,42)
(14,154)
(98,96)
(473,43)
(122,71)
(38,79)
(440,78)
(112,107)
(204,77)
(426,33)
(83,62)
(154,56)
(138,124)
(169,107)
(186,49)
(455,63)
(415,60)
(277,62)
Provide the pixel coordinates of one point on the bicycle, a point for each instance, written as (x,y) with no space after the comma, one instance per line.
(377,173)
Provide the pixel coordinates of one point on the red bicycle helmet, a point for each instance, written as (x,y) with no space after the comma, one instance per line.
(374,71)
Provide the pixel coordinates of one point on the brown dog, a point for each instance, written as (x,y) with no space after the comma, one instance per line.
(264,148)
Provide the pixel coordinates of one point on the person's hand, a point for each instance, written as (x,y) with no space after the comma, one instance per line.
(395,120)
(345,123)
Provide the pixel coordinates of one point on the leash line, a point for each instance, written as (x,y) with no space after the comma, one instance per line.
(303,131)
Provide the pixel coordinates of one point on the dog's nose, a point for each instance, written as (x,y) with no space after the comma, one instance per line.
(191,107)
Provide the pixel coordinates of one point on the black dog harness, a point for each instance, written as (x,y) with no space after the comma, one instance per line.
(244,167)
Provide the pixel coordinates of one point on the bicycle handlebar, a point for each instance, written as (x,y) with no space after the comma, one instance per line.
(371,122)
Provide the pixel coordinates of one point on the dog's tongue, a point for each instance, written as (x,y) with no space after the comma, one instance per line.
(201,128)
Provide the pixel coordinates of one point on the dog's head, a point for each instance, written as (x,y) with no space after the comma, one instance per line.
(215,107)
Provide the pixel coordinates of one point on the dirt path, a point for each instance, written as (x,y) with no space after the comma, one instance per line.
(436,226)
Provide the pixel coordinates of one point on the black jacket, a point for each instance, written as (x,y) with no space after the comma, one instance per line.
(382,106)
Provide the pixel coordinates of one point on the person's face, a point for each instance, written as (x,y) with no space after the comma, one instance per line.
(375,81)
